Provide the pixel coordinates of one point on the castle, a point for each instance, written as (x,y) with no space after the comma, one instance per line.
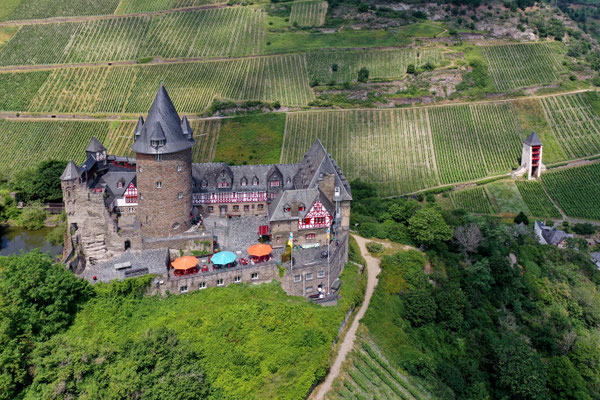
(122,208)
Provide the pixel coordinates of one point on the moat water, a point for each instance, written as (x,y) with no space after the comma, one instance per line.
(13,240)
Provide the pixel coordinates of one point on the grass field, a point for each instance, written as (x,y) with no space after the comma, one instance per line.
(537,200)
(576,190)
(304,41)
(389,148)
(31,9)
(192,86)
(506,198)
(382,64)
(574,123)
(474,200)
(520,65)
(25,143)
(465,151)
(236,31)
(308,13)
(253,139)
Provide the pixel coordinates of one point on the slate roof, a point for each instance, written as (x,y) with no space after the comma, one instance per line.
(533,140)
(71,172)
(162,123)
(308,197)
(552,235)
(212,172)
(95,146)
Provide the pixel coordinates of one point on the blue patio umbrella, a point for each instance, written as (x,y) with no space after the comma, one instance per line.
(223,257)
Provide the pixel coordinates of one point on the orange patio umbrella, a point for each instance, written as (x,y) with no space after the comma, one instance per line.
(183,263)
(260,250)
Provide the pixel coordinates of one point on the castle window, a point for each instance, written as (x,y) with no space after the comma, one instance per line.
(180,195)
(220,282)
(157,143)
(306,221)
(204,183)
(175,225)
(157,157)
(211,209)
(255,181)
(309,276)
(179,168)
(119,185)
(310,236)
(236,208)
(298,278)
(246,207)
(237,279)
(260,207)
(202,285)
(244,182)
(159,185)
(183,289)
(301,207)
(223,185)
(131,209)
(273,195)
(288,180)
(254,276)
(321,274)
(319,220)
(140,170)
(275,183)
(309,289)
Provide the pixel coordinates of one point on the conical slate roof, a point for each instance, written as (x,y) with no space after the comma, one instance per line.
(533,140)
(95,146)
(162,123)
(71,172)
(186,127)
(138,128)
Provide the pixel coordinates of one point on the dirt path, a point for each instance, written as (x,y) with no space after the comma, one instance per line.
(348,342)
(83,18)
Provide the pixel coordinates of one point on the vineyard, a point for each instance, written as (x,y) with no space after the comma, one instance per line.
(30,9)
(464,150)
(17,90)
(537,200)
(389,148)
(206,132)
(520,65)
(223,32)
(575,124)
(308,13)
(474,200)
(192,86)
(343,66)
(576,190)
(25,143)
(368,375)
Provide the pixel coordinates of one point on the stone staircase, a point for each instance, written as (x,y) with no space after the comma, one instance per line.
(95,248)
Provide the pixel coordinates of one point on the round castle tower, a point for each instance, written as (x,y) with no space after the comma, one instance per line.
(163,146)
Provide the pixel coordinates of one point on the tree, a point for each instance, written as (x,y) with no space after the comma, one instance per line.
(564,381)
(410,69)
(521,217)
(519,370)
(428,227)
(419,307)
(402,210)
(42,183)
(33,217)
(363,75)
(468,237)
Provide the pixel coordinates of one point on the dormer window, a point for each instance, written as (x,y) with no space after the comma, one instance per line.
(288,180)
(275,183)
(204,183)
(255,181)
(223,174)
(119,184)
(301,207)
(287,208)
(157,143)
(244,182)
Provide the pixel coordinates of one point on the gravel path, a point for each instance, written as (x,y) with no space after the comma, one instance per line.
(348,342)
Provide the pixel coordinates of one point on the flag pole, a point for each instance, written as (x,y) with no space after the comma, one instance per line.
(328,267)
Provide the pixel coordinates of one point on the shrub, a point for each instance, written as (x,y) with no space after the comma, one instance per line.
(410,69)
(33,217)
(521,217)
(334,67)
(375,247)
(363,75)
(584,229)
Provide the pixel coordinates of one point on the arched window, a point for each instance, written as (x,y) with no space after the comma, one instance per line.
(288,180)
(244,181)
(255,181)
(301,207)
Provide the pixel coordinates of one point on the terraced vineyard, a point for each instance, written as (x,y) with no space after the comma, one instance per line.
(17,90)
(369,375)
(24,142)
(464,150)
(134,6)
(131,89)
(389,148)
(308,13)
(537,200)
(575,124)
(520,65)
(206,132)
(236,31)
(576,190)
(31,9)
(343,66)
(474,200)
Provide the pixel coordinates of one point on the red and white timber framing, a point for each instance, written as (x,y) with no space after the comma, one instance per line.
(232,197)
(317,217)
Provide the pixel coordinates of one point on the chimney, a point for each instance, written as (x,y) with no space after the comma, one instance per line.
(295,209)
(327,186)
